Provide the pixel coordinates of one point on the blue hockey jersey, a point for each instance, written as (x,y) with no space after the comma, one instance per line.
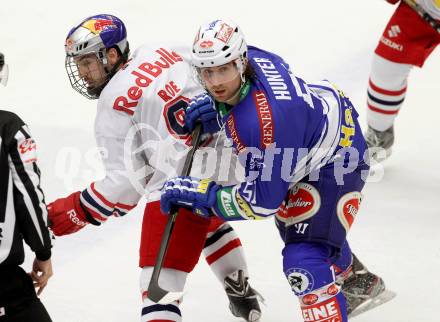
(283,130)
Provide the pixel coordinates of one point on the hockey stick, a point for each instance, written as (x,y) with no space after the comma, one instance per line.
(425,16)
(155,292)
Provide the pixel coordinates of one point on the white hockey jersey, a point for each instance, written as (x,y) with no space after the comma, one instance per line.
(139,126)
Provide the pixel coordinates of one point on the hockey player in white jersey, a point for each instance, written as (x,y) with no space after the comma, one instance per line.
(141,104)
(411,35)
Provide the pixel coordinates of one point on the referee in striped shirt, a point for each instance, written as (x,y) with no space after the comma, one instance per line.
(23,215)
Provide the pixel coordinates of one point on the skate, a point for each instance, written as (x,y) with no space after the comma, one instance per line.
(379,140)
(243,299)
(364,290)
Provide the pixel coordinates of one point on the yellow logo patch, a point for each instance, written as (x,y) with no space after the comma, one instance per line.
(203,185)
(347,129)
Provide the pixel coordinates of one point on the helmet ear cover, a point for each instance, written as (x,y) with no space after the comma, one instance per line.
(123,54)
(122,58)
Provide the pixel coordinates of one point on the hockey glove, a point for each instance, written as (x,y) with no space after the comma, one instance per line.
(202,109)
(199,195)
(66,215)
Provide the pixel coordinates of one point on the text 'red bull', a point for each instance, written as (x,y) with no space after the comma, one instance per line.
(145,74)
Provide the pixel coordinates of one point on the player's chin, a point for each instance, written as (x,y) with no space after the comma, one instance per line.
(221,96)
(220,100)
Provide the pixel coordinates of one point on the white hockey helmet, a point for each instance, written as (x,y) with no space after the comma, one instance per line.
(217,43)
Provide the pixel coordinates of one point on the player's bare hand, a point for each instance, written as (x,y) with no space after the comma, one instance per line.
(41,272)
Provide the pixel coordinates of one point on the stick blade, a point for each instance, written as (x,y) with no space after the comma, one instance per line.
(171,297)
(161,296)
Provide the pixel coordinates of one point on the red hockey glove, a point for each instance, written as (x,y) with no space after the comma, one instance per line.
(66,215)
(392,1)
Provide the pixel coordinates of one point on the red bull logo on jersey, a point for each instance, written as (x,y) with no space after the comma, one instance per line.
(145,74)
(97,25)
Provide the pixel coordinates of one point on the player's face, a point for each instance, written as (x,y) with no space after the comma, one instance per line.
(90,70)
(222,82)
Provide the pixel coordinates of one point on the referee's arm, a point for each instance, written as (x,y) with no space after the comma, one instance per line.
(30,207)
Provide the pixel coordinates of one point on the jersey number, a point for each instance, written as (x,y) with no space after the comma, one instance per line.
(174,114)
(303,91)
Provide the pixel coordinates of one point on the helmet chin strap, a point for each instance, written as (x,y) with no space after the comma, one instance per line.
(234,99)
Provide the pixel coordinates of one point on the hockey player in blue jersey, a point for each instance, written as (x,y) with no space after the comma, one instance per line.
(303,153)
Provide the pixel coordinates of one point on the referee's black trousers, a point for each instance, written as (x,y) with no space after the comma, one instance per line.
(18,300)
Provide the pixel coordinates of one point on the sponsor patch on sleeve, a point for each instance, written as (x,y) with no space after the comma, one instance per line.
(28,150)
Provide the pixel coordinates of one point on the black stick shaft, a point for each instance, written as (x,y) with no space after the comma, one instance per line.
(155,292)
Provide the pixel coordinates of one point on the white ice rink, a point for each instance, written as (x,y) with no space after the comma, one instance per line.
(396,233)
